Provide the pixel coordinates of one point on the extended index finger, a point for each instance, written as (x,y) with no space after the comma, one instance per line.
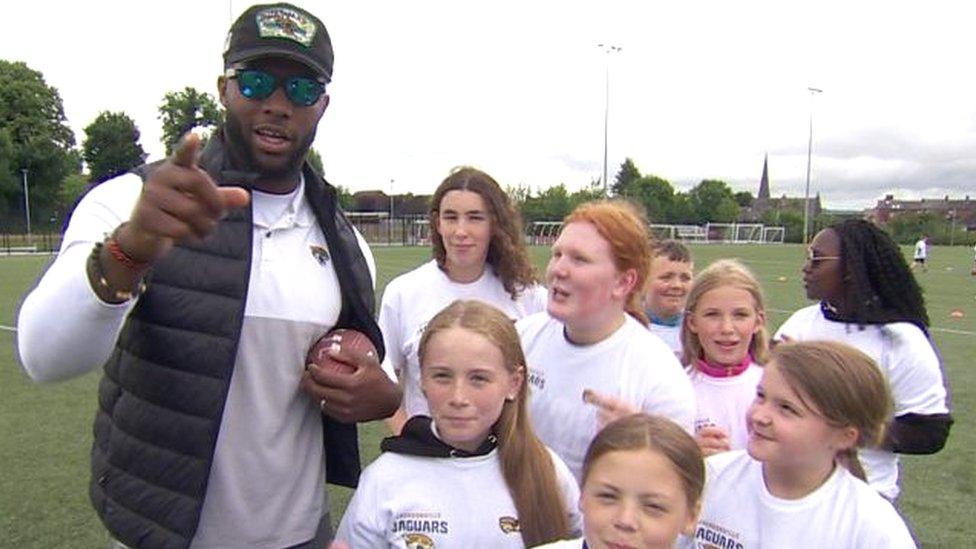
(185,154)
(601,400)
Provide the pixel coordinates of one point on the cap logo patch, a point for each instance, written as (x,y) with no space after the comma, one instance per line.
(287,24)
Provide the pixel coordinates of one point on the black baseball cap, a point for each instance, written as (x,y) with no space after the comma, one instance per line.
(284,30)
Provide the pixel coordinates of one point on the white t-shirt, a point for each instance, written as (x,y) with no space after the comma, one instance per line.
(739,512)
(266,486)
(908,361)
(723,402)
(921,249)
(632,364)
(413,298)
(563,544)
(412,502)
(670,335)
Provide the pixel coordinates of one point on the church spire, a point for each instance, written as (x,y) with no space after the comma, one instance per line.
(764,182)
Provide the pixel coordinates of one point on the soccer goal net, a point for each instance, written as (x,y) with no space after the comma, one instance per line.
(544,233)
(418,231)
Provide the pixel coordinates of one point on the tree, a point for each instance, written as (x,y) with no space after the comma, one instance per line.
(346,201)
(551,204)
(790,220)
(744,199)
(656,195)
(184,110)
(682,210)
(713,201)
(34,135)
(111,146)
(627,174)
(587,194)
(315,160)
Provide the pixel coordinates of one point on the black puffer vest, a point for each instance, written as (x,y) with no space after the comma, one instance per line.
(162,395)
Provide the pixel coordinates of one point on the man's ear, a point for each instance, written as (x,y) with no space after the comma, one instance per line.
(222,90)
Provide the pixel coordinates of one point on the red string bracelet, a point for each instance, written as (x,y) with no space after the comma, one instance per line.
(112,245)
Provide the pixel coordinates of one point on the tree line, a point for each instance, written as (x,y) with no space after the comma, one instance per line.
(36,142)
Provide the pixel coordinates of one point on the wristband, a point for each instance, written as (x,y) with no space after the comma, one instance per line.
(97,278)
(117,253)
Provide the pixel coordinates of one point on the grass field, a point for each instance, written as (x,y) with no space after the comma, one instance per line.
(45,430)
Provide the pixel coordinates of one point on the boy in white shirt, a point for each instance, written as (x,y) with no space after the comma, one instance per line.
(666,291)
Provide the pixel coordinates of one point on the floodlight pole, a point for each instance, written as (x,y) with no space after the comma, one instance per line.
(27,205)
(608,49)
(806,194)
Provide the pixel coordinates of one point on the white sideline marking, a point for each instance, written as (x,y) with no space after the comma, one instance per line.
(7,328)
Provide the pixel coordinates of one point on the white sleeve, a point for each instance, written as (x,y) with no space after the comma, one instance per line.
(882,526)
(913,370)
(63,328)
(362,524)
(790,328)
(389,322)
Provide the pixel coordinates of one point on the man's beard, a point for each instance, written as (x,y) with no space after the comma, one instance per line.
(243,154)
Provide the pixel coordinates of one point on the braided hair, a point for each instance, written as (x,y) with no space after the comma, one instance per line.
(881,288)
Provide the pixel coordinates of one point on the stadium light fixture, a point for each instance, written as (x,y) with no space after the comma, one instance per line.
(608,49)
(806,194)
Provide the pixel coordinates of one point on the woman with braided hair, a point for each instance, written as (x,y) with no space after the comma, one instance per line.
(870,300)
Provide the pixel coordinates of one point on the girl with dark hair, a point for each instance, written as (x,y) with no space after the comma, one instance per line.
(870,300)
(473,474)
(591,357)
(479,253)
(642,485)
(799,483)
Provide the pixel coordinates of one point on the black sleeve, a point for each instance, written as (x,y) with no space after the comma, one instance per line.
(918,433)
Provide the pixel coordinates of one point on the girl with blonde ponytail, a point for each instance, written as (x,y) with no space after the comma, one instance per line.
(799,479)
(473,473)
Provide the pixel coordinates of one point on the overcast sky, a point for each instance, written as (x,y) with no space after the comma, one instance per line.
(699,90)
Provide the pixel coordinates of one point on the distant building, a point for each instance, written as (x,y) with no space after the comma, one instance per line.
(764,203)
(962,211)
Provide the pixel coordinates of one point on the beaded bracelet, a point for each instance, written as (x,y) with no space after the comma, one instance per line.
(97,277)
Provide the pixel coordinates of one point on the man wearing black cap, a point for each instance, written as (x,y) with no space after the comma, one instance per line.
(219,270)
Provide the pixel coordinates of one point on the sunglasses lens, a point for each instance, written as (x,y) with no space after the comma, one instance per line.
(304,91)
(255,84)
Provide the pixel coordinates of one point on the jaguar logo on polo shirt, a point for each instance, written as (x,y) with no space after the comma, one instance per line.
(320,254)
(509,524)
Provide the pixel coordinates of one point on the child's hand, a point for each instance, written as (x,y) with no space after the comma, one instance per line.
(712,440)
(609,408)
